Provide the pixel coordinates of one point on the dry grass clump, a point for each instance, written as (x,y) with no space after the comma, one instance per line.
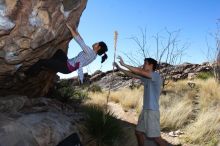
(209,93)
(179,87)
(129,99)
(205,130)
(194,110)
(98,98)
(175,112)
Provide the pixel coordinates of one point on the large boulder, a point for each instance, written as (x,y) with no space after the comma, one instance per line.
(35,121)
(31,30)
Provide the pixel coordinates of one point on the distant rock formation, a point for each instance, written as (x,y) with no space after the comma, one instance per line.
(31,30)
(185,70)
(177,72)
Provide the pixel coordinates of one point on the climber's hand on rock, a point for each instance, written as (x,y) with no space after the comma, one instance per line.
(73,30)
(69,27)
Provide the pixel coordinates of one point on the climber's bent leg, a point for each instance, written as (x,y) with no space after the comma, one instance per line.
(51,64)
(60,55)
(57,66)
(57,63)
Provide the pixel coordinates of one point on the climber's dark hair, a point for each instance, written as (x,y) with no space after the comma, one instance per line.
(152,61)
(102,51)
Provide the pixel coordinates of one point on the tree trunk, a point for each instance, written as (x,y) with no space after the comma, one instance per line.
(218,64)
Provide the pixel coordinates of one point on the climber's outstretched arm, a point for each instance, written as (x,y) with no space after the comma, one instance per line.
(79,39)
(128,73)
(74,32)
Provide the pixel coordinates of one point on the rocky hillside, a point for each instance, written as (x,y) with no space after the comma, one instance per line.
(31,30)
(178,72)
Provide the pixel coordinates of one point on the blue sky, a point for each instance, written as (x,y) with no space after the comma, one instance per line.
(195,18)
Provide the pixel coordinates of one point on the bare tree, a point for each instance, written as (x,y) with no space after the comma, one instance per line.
(167,49)
(217,71)
(141,50)
(213,53)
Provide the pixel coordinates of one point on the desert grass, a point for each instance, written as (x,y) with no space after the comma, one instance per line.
(205,130)
(177,105)
(209,93)
(98,98)
(179,88)
(177,108)
(175,113)
(129,99)
(103,126)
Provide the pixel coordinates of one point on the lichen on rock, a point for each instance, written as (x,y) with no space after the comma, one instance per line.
(5,22)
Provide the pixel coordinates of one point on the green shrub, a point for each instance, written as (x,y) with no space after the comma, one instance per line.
(62,94)
(65,92)
(103,127)
(79,94)
(205,75)
(63,83)
(95,88)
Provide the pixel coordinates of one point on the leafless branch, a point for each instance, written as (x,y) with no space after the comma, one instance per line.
(168,49)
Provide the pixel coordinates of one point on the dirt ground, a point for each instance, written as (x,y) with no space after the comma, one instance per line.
(130,119)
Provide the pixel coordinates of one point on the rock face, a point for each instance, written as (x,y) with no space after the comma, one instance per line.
(185,70)
(31,30)
(34,122)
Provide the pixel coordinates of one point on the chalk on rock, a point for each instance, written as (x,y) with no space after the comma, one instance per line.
(68,6)
(18,66)
(34,19)
(5,22)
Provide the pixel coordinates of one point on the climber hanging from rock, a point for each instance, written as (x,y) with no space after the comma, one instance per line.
(59,62)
